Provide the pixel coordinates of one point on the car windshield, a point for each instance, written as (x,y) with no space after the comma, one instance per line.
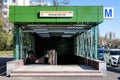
(114,52)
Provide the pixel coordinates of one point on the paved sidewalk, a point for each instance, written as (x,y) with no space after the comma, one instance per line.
(39,67)
(49,78)
(112,74)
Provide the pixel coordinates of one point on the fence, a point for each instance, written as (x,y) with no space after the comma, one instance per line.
(2,70)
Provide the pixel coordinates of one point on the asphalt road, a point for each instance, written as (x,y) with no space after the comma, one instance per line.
(112,74)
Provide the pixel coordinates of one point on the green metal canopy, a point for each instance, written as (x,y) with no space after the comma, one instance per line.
(32,14)
(54,18)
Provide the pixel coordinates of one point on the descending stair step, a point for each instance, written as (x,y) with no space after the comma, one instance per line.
(56,74)
(56,71)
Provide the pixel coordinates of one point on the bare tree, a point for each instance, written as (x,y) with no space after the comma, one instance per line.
(60,3)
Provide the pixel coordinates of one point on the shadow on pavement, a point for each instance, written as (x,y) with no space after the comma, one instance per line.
(113,69)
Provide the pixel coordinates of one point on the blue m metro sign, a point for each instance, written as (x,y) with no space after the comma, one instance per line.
(108,12)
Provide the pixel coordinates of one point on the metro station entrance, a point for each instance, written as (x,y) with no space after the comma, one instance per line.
(61,40)
(62,46)
(71,31)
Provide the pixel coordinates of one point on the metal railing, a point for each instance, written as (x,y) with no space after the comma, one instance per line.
(2,68)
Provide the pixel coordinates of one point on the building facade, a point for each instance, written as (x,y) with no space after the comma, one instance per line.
(7,3)
(110,35)
(5,11)
(1,8)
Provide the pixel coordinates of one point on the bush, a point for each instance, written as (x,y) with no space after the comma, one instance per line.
(6,40)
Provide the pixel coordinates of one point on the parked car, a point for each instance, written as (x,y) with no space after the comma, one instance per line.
(111,56)
(101,53)
(119,63)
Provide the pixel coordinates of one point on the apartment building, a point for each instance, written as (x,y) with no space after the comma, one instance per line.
(5,11)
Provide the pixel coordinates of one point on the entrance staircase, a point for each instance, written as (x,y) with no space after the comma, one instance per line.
(55,71)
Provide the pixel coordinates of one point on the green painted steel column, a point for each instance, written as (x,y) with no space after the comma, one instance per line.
(96,42)
(91,42)
(16,42)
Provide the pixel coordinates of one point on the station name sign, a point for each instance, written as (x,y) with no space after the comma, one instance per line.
(56,13)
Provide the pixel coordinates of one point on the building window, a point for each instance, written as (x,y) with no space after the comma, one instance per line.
(5,6)
(5,13)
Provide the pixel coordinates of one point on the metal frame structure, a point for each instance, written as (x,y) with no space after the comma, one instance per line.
(87,43)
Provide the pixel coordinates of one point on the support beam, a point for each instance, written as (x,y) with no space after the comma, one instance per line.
(96,42)
(16,42)
(53,31)
(93,42)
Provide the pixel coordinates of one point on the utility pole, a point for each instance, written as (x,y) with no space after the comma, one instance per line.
(41,1)
(55,3)
(63,2)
